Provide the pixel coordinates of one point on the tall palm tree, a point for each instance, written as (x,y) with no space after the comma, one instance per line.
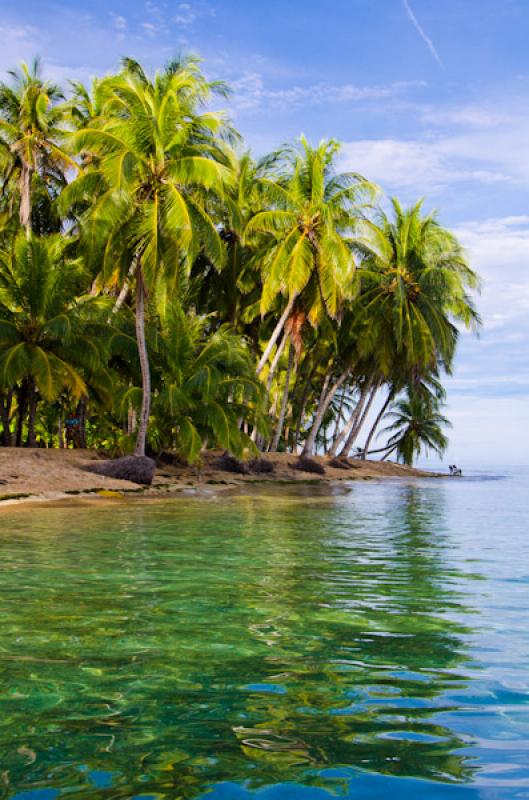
(305,238)
(416,283)
(31,136)
(157,160)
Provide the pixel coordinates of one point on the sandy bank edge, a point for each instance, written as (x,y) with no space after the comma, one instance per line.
(59,477)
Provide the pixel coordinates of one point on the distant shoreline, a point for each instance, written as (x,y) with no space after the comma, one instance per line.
(56,476)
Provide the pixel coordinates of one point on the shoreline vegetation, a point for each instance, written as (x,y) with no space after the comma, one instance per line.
(163,291)
(54,476)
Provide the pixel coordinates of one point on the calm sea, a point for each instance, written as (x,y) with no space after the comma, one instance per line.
(290,643)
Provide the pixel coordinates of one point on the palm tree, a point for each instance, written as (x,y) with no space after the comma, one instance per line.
(206,385)
(31,133)
(234,294)
(49,341)
(417,425)
(416,281)
(305,239)
(157,160)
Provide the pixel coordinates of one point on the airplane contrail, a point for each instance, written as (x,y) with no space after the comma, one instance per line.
(424,36)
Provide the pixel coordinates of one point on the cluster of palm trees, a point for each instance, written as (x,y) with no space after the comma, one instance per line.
(160,288)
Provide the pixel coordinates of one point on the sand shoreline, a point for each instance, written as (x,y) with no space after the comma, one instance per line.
(59,476)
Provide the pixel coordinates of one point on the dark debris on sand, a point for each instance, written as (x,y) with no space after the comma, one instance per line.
(137,469)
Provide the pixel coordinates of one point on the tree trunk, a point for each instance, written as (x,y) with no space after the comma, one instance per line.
(389,453)
(25,197)
(275,362)
(347,428)
(33,402)
(22,407)
(132,420)
(122,296)
(304,401)
(358,427)
(325,401)
(297,432)
(7,401)
(376,424)
(311,438)
(275,335)
(144,364)
(60,431)
(81,415)
(284,401)
(381,449)
(339,416)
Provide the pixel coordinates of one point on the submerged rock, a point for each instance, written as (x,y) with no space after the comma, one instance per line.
(137,469)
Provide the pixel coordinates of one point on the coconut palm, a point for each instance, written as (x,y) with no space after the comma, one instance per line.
(416,289)
(417,425)
(305,238)
(31,135)
(49,339)
(157,159)
(234,294)
(206,386)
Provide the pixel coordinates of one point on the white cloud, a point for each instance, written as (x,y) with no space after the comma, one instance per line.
(498,248)
(424,165)
(250,92)
(120,24)
(185,15)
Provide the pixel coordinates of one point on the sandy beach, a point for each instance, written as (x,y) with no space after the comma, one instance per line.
(46,475)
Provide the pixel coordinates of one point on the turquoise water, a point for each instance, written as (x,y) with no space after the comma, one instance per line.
(296,645)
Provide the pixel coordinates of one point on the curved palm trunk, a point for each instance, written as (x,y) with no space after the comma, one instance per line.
(139,450)
(389,453)
(273,367)
(304,401)
(303,405)
(381,449)
(275,362)
(348,427)
(275,335)
(284,400)
(376,424)
(122,296)
(358,427)
(325,401)
(339,416)
(320,411)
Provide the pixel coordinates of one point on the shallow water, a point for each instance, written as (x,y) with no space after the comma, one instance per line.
(295,645)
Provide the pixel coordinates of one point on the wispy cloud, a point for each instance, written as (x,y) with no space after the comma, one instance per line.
(423,166)
(185,15)
(250,92)
(422,33)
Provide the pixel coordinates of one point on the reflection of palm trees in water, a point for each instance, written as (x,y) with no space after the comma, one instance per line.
(363,646)
(261,643)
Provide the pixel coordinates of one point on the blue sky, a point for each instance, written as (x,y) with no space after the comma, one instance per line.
(430,99)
